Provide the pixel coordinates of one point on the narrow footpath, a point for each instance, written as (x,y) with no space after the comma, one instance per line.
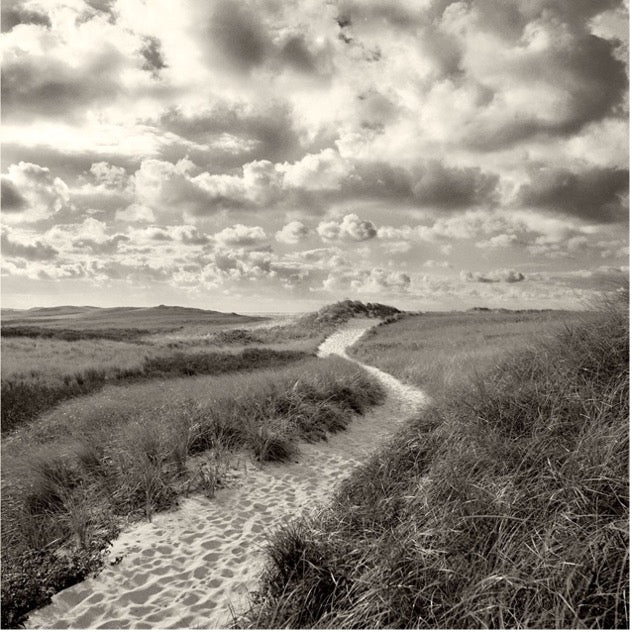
(194,567)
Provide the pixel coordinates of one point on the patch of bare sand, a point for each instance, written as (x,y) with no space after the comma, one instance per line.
(193,567)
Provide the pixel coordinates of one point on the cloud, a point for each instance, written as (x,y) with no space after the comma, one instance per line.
(152,54)
(594,194)
(37,251)
(12,200)
(545,71)
(449,188)
(315,172)
(367,281)
(15,13)
(34,193)
(351,228)
(135,213)
(296,54)
(240,235)
(40,85)
(111,176)
(258,131)
(234,34)
(292,233)
(496,276)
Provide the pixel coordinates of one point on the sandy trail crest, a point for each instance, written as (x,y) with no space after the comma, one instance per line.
(193,567)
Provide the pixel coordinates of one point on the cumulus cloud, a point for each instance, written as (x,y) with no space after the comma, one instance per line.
(292,233)
(153,59)
(14,12)
(592,194)
(12,200)
(135,213)
(368,281)
(240,235)
(443,187)
(162,149)
(236,131)
(235,35)
(351,228)
(39,85)
(496,276)
(34,251)
(33,193)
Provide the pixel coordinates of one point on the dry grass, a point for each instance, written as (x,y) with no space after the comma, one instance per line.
(505,505)
(48,358)
(69,477)
(435,351)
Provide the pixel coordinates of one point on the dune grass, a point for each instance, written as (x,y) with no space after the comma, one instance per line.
(24,396)
(70,478)
(435,351)
(42,366)
(504,505)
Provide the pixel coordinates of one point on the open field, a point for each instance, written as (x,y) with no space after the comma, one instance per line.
(147,319)
(505,505)
(471,517)
(435,351)
(101,429)
(42,366)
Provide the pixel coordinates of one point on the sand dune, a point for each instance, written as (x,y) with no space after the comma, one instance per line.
(193,567)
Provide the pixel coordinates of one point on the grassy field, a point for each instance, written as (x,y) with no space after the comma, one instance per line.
(100,429)
(51,355)
(504,505)
(435,351)
(71,477)
(92,320)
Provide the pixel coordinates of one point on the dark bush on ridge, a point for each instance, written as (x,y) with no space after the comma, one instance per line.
(505,505)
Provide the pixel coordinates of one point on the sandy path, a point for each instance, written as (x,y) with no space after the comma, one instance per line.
(190,568)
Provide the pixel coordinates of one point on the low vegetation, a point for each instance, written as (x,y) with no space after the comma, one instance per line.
(70,478)
(504,505)
(341,312)
(72,351)
(436,351)
(25,397)
(71,335)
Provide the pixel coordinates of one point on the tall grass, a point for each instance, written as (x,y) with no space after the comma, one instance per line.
(505,505)
(70,478)
(435,351)
(25,397)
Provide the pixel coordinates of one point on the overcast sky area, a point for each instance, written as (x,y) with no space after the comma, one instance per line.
(273,155)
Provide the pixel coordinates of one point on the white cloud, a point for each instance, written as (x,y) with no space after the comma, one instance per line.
(351,228)
(37,193)
(136,213)
(495,276)
(375,281)
(240,235)
(292,233)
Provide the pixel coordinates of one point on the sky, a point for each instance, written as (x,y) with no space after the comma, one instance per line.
(278,155)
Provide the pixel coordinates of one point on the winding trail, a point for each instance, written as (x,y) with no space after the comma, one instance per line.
(193,567)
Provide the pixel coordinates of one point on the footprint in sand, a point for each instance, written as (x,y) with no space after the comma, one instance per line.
(220,542)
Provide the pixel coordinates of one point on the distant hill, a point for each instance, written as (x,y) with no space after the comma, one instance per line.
(344,310)
(95,318)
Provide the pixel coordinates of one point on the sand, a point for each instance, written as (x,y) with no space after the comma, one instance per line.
(195,566)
